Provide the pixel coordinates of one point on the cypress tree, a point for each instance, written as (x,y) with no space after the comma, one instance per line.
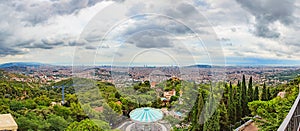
(225,95)
(224,119)
(213,123)
(268,93)
(250,90)
(256,94)
(231,110)
(200,108)
(196,112)
(238,107)
(238,86)
(244,100)
(264,93)
(211,103)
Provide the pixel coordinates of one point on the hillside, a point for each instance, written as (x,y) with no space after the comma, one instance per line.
(39,107)
(21,64)
(274,111)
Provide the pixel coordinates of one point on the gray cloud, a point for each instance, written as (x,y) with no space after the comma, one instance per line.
(151,39)
(223,39)
(153,32)
(267,12)
(173,18)
(4,51)
(34,45)
(158,23)
(4,47)
(23,22)
(76,43)
(41,44)
(40,11)
(90,47)
(182,10)
(52,42)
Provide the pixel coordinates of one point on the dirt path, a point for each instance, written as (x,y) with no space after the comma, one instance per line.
(251,127)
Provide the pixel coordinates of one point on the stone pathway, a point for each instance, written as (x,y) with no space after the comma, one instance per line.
(126,126)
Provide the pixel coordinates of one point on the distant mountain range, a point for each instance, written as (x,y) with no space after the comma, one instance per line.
(199,66)
(21,64)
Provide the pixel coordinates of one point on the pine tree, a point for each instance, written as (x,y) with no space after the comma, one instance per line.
(264,93)
(250,90)
(256,94)
(244,100)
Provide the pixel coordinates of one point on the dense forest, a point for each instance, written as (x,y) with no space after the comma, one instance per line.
(100,106)
(242,102)
(38,107)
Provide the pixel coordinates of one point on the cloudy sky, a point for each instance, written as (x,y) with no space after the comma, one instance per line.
(135,32)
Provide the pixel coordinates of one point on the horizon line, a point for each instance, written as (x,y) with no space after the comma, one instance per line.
(147,65)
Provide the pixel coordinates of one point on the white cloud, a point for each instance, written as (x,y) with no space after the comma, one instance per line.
(55,32)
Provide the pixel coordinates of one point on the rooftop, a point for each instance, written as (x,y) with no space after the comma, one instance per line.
(146,115)
(7,122)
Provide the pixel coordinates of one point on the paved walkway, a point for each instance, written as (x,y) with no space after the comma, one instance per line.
(129,127)
(163,127)
(126,126)
(251,127)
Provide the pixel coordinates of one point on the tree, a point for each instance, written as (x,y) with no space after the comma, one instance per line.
(268,93)
(275,110)
(224,118)
(250,90)
(57,123)
(196,117)
(237,102)
(244,99)
(62,111)
(109,114)
(264,95)
(147,83)
(42,100)
(102,124)
(211,107)
(77,112)
(70,98)
(16,105)
(31,121)
(117,95)
(256,94)
(173,98)
(84,125)
(213,124)
(26,124)
(231,108)
(116,107)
